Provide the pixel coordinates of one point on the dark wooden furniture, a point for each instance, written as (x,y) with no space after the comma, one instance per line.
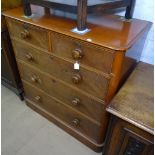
(74,99)
(9,72)
(131,129)
(82,7)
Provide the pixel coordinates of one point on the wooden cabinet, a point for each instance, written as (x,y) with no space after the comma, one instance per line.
(9,72)
(46,51)
(126,139)
(131,129)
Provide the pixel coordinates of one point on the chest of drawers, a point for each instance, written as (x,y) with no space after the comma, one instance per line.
(46,51)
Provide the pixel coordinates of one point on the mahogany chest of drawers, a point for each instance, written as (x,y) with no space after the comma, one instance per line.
(131,129)
(46,51)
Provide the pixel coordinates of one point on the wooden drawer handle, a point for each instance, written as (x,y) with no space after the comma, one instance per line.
(77,54)
(76,122)
(76,78)
(35,79)
(29,57)
(37,98)
(25,34)
(75,102)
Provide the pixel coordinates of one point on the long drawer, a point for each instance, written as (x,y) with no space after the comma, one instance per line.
(77,100)
(28,33)
(91,82)
(64,113)
(86,53)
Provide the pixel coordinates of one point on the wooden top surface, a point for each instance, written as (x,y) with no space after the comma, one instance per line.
(8,4)
(135,100)
(108,31)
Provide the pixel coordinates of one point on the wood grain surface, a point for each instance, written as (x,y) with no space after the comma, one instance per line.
(134,102)
(112,32)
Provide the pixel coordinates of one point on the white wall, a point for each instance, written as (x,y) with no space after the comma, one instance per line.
(144,9)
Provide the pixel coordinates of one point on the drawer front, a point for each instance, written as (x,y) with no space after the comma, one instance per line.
(86,53)
(28,33)
(80,102)
(64,113)
(88,81)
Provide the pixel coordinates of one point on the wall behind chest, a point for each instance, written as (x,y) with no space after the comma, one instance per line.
(139,13)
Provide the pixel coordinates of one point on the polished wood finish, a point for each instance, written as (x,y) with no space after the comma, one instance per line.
(83,79)
(77,50)
(61,111)
(81,14)
(76,99)
(119,35)
(77,134)
(131,129)
(48,66)
(125,138)
(27,8)
(10,4)
(28,33)
(9,72)
(81,7)
(134,102)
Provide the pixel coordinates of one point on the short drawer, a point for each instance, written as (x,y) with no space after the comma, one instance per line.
(28,33)
(77,100)
(62,112)
(91,82)
(87,54)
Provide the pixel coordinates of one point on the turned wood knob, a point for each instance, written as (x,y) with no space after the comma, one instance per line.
(25,34)
(37,98)
(77,54)
(29,57)
(76,122)
(34,79)
(75,102)
(76,78)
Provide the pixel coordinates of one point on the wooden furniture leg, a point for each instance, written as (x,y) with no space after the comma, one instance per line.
(27,8)
(130,9)
(81,14)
